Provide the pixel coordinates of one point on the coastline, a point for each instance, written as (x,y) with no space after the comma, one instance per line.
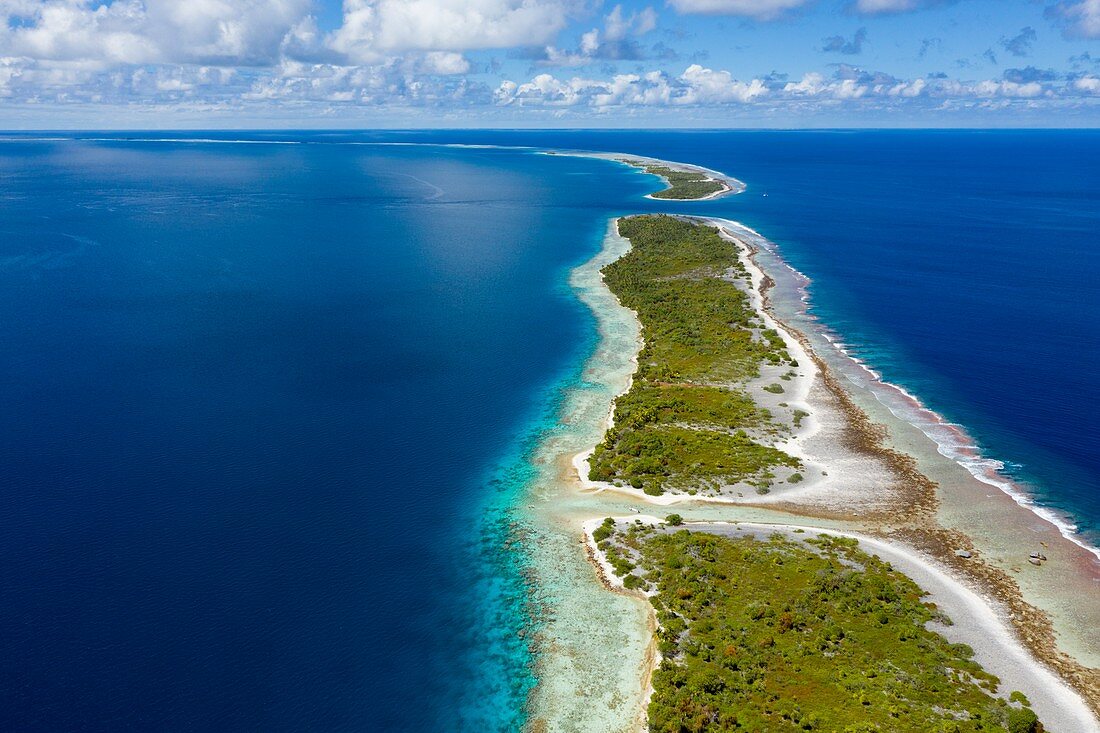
(1053,607)
(729,184)
(951,439)
(921,521)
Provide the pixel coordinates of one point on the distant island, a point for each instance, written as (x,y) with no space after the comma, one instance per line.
(683,183)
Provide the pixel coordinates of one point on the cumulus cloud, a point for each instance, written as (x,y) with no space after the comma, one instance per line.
(1078,18)
(701,87)
(1087,84)
(706,86)
(851,83)
(444,62)
(261,32)
(815,85)
(908,89)
(1005,88)
(839,44)
(697,86)
(153,31)
(372,28)
(397,81)
(414,53)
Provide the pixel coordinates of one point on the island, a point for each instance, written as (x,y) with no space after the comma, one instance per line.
(793,626)
(683,182)
(715,396)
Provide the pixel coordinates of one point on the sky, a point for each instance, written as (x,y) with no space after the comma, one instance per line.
(177,64)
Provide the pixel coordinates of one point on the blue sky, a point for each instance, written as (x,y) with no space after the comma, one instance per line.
(549,63)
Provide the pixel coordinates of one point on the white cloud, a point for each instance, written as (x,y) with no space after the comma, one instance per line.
(1079,18)
(1088,85)
(697,86)
(849,89)
(811,85)
(374,27)
(908,89)
(65,31)
(617,26)
(705,86)
(444,62)
(759,9)
(245,31)
(398,81)
(261,32)
(815,85)
(1004,88)
(153,31)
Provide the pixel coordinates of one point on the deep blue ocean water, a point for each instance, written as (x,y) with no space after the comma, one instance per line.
(264,408)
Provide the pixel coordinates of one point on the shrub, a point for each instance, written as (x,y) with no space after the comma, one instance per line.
(757,633)
(1023,720)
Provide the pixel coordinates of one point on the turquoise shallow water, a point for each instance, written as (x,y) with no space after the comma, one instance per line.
(268,411)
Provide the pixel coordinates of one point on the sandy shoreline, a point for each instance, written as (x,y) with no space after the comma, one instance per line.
(945,506)
(884,480)
(729,184)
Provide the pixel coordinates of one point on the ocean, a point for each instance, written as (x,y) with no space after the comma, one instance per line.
(266,410)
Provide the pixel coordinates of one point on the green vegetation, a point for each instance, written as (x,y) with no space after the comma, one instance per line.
(684,184)
(685,424)
(604,531)
(674,519)
(801,635)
